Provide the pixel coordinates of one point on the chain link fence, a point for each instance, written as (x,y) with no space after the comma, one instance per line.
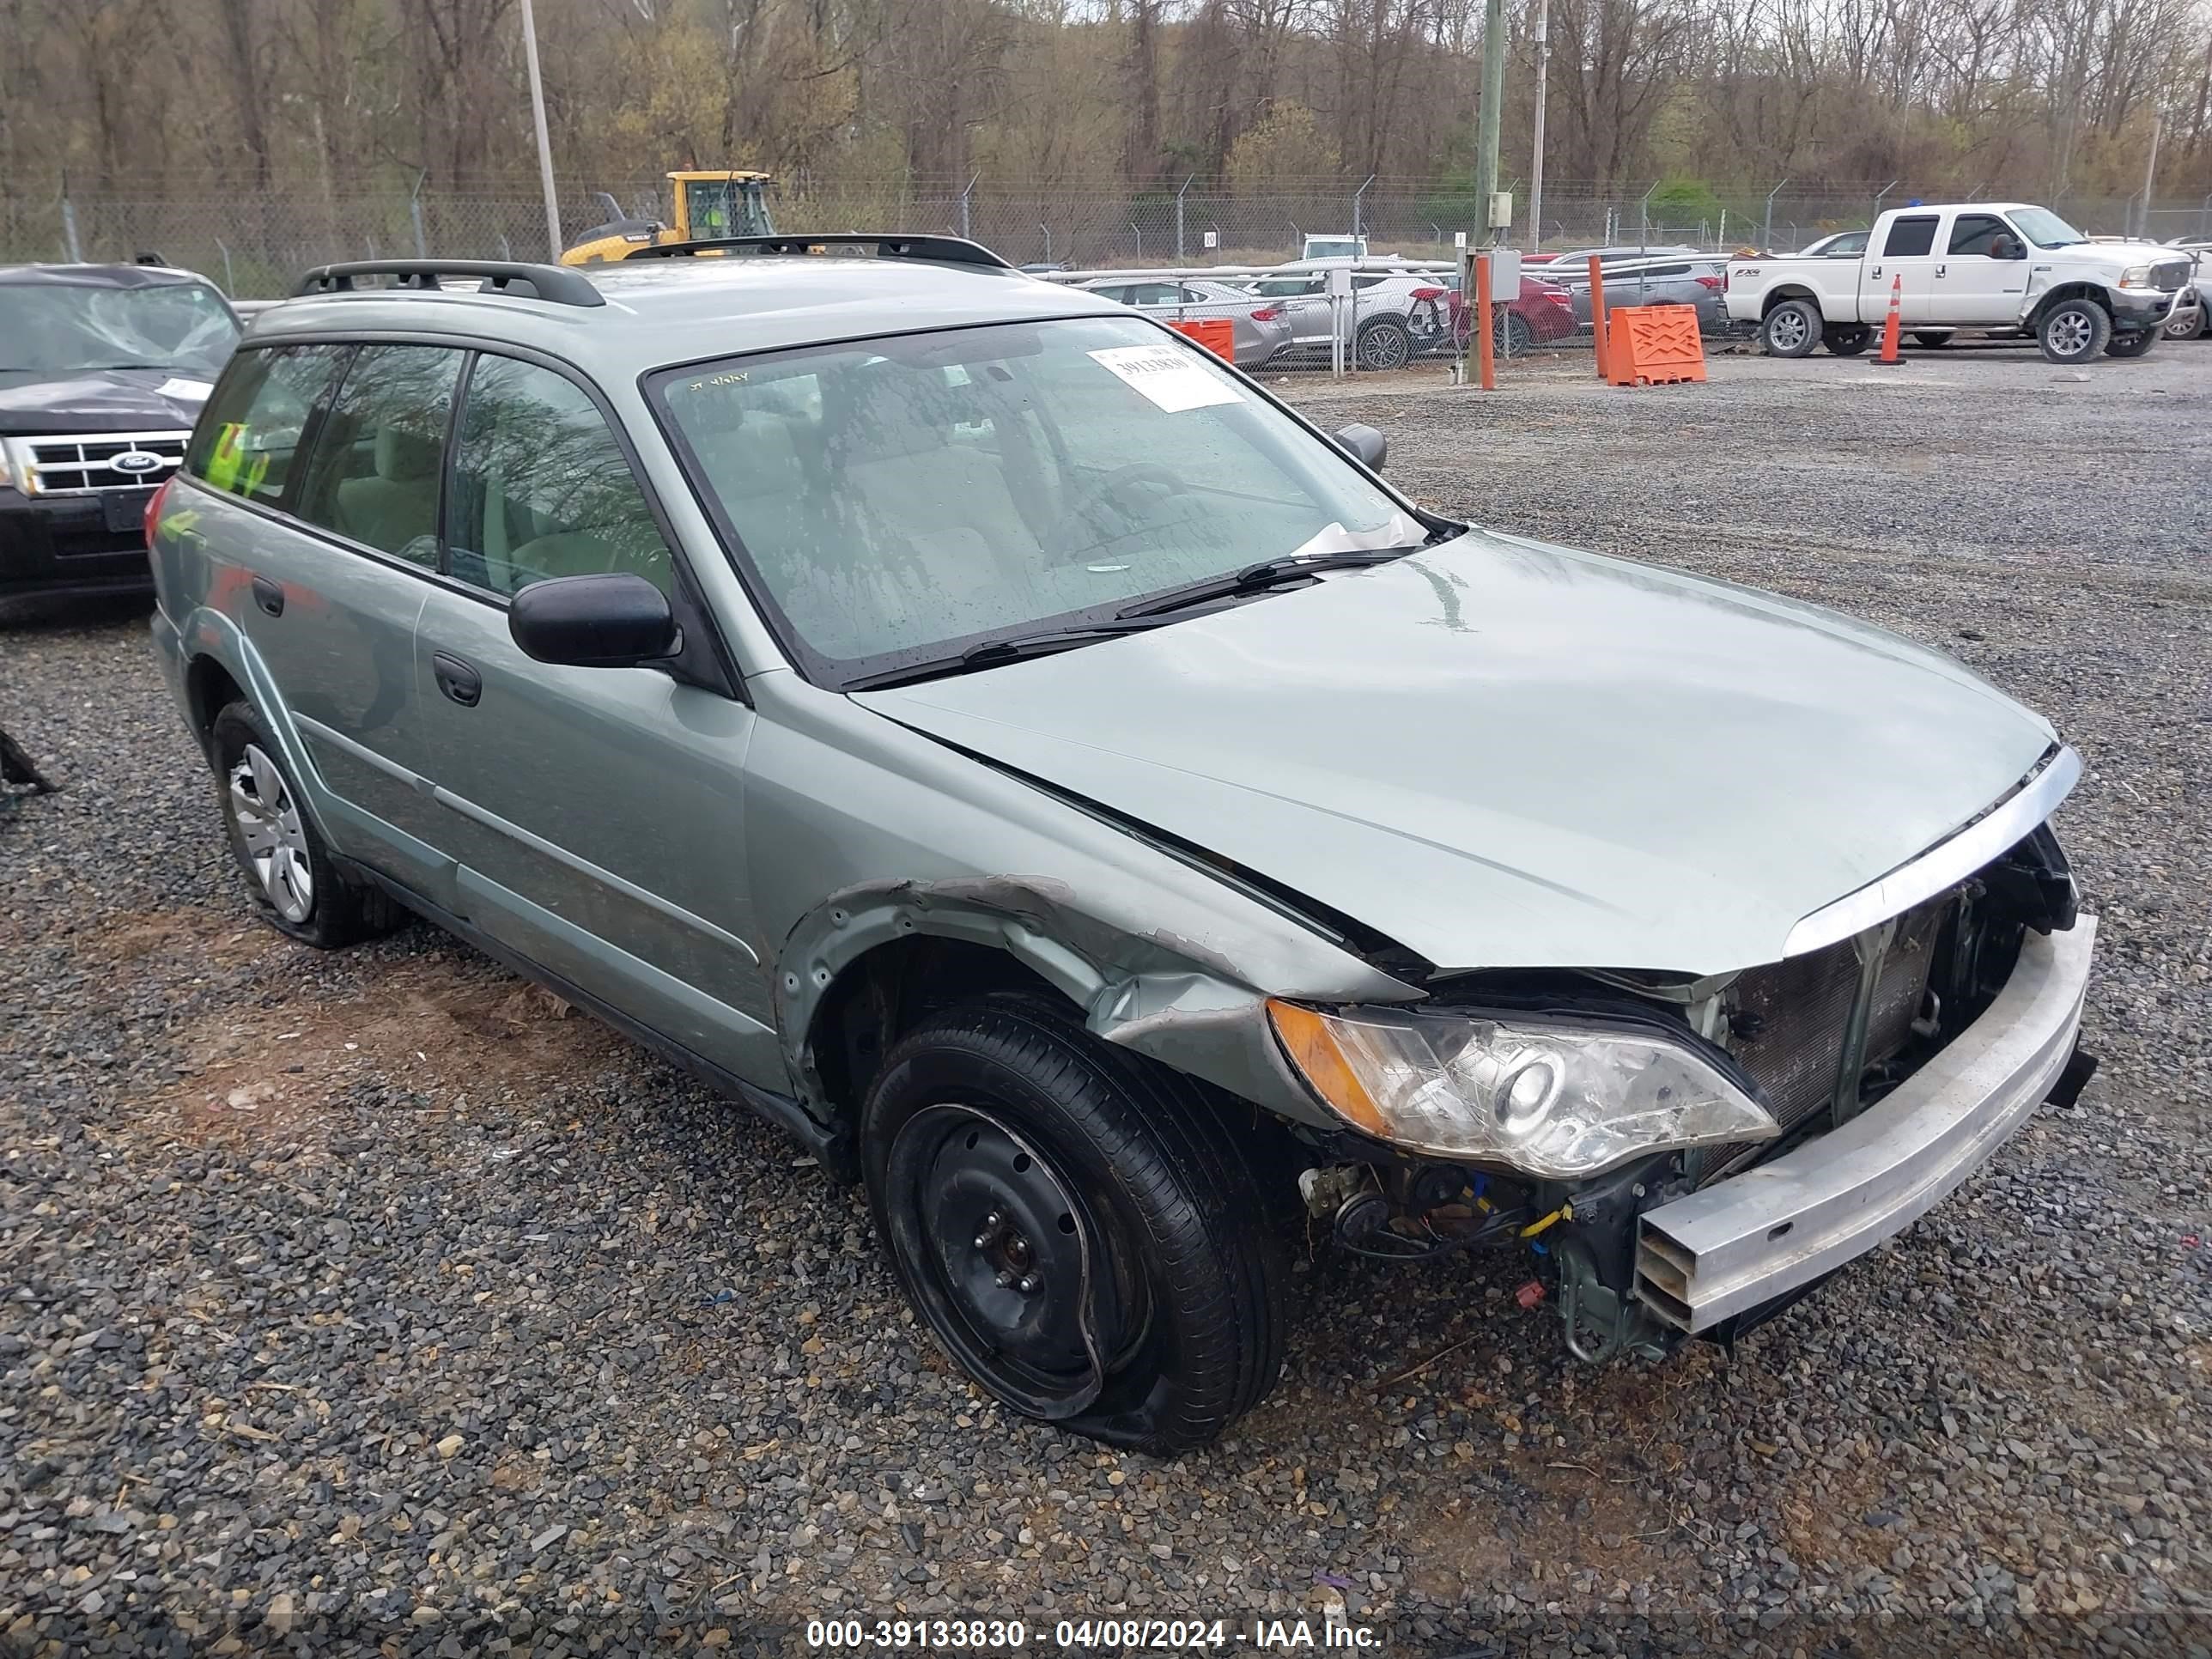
(256,246)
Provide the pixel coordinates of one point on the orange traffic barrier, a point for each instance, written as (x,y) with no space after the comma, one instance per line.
(1597,317)
(1486,352)
(1217,334)
(1654,345)
(1889,359)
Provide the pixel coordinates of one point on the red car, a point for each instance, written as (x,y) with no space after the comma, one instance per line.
(1540,314)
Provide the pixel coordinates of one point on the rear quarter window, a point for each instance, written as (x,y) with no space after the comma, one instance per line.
(250,431)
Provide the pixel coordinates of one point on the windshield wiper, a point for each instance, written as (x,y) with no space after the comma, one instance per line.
(991,653)
(1258,578)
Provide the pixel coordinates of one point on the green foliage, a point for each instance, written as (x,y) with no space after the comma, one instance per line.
(1685,202)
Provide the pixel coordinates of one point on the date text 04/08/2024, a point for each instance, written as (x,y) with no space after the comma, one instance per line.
(987,1636)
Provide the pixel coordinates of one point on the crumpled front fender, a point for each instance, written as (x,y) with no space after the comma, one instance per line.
(1159,994)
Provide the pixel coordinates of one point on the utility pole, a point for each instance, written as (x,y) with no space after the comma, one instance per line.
(544,143)
(1493,94)
(2150,176)
(1536,164)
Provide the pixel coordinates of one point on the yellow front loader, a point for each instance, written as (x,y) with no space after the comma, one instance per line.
(731,202)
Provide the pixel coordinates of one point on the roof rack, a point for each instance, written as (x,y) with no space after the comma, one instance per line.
(553,284)
(952,250)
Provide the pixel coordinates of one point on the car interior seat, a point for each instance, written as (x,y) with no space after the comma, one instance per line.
(397,503)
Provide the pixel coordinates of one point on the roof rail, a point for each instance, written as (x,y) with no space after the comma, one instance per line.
(952,250)
(554,283)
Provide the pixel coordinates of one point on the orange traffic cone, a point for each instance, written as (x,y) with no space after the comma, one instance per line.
(1889,324)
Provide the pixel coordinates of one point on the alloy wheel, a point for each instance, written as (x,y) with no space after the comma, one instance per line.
(1788,332)
(2071,335)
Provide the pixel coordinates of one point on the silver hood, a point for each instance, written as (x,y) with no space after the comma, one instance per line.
(1504,754)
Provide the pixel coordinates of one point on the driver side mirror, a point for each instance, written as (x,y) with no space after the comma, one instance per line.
(614,621)
(1364,445)
(2004,247)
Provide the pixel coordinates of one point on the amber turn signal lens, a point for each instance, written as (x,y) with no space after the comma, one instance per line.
(1312,1046)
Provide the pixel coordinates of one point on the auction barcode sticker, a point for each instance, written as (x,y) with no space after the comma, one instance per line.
(1171,378)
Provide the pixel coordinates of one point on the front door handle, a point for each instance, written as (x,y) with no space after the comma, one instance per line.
(269,595)
(460,681)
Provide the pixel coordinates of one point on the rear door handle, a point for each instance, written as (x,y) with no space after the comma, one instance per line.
(460,681)
(269,595)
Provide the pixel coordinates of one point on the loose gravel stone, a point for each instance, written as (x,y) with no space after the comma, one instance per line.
(372,1298)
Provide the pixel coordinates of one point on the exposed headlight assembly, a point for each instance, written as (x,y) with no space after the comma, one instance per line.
(2135,276)
(1556,1099)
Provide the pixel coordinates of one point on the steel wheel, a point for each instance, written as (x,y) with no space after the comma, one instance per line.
(1032,1287)
(275,839)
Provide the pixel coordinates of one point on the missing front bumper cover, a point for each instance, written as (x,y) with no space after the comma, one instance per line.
(1745,1241)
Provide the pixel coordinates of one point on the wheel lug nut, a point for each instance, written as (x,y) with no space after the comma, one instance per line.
(1006,1278)
(1030,1283)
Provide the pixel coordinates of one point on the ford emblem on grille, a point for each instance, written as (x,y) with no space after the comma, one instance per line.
(137,460)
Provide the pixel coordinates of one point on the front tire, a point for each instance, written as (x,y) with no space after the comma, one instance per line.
(1792,329)
(297,887)
(1383,343)
(2132,345)
(2073,331)
(1011,1159)
(1932,339)
(1847,339)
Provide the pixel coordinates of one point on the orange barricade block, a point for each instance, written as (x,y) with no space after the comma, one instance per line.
(1217,334)
(1654,345)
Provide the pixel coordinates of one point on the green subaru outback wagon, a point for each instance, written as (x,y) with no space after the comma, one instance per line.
(979,730)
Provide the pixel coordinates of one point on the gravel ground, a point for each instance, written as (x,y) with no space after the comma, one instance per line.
(368,1298)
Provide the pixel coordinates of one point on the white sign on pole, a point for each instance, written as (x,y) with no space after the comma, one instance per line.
(1213,239)
(1459,239)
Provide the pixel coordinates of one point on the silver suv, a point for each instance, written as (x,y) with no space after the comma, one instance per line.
(979,730)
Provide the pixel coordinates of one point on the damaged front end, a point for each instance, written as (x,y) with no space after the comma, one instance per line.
(1750,1132)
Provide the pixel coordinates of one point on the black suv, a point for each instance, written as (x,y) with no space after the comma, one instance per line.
(103,369)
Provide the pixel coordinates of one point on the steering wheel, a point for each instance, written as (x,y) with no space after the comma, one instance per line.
(1108,488)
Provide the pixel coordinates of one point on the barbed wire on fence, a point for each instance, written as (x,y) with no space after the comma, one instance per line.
(256,246)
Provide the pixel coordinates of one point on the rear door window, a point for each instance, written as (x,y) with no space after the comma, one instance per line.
(541,489)
(374,478)
(1909,238)
(255,419)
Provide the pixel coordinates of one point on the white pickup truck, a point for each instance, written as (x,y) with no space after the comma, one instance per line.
(1987,267)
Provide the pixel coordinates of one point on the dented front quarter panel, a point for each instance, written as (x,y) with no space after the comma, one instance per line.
(861,832)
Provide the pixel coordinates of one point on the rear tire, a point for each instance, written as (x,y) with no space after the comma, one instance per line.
(999,1139)
(1792,329)
(1932,339)
(1516,336)
(1847,339)
(297,887)
(1383,344)
(2073,331)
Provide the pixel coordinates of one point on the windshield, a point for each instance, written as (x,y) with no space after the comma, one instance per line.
(898,499)
(70,329)
(2044,228)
